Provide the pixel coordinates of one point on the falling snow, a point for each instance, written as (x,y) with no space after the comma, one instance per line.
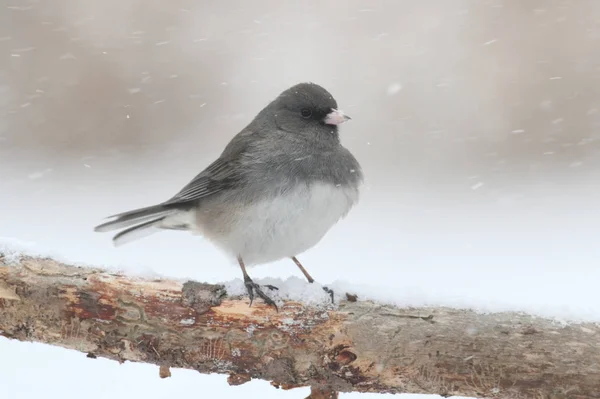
(394,88)
(39,175)
(479,139)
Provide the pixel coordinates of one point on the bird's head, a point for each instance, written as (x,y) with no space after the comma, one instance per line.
(307,110)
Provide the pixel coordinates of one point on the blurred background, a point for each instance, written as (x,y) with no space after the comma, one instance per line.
(477,123)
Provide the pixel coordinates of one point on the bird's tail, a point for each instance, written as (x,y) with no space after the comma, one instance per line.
(138,223)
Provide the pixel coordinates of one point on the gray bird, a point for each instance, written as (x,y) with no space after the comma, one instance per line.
(275,191)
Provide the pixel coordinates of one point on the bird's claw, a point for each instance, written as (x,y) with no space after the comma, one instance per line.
(330,292)
(253,288)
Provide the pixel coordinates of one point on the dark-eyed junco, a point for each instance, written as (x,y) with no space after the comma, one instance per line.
(275,191)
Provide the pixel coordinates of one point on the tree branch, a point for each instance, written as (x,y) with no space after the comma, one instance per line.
(354,346)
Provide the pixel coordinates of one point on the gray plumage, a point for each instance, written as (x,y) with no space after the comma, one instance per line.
(277,188)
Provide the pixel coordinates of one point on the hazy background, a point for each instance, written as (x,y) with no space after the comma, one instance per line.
(477,124)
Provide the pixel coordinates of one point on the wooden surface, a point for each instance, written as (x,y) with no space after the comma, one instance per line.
(352,346)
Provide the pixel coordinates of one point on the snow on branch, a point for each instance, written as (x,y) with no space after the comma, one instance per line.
(351,346)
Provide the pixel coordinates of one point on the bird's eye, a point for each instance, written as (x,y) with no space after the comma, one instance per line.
(306,113)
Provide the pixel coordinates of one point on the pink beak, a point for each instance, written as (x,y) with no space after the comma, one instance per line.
(336,117)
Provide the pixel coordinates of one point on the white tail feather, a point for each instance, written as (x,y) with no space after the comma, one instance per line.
(120,224)
(172,219)
(136,234)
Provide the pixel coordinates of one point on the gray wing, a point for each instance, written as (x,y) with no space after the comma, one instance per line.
(221,175)
(224,173)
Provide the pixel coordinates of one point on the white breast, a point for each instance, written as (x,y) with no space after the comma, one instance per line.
(284,226)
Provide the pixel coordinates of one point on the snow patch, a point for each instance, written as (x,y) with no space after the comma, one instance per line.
(12,250)
(292,289)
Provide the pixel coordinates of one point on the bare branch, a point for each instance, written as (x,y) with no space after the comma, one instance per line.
(355,346)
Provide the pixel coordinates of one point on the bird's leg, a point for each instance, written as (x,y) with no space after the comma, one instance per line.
(309,277)
(303,270)
(252,287)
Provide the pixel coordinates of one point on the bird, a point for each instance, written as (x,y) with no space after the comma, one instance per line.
(277,188)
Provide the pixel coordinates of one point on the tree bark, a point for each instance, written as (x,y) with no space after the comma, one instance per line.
(352,346)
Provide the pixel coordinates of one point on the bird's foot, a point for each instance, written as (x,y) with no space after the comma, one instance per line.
(330,292)
(326,289)
(254,288)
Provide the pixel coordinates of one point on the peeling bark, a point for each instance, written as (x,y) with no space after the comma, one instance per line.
(354,346)
(164,372)
(320,394)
